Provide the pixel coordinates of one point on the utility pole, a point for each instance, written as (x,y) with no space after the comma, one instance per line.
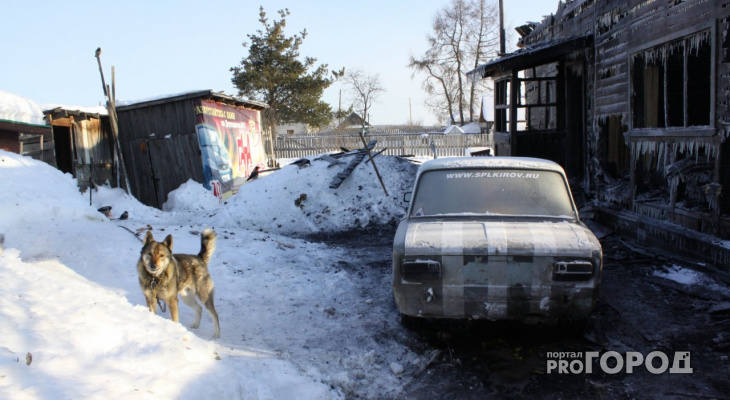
(410,113)
(502,49)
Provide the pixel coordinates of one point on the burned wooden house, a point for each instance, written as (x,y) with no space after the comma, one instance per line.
(632,98)
(206,136)
(83,144)
(23,129)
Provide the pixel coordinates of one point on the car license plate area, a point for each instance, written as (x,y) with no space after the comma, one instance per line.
(572,270)
(421,269)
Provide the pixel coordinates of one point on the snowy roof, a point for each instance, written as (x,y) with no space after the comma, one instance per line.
(453,129)
(472,127)
(20,110)
(101,110)
(62,113)
(220,96)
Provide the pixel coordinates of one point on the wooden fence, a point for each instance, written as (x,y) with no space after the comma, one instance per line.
(419,145)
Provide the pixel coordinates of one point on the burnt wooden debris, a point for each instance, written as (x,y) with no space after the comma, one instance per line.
(359,155)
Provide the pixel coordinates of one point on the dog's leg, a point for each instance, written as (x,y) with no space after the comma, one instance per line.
(205,294)
(189,298)
(213,314)
(151,303)
(172,303)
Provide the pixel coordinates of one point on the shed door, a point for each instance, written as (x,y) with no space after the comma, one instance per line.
(162,165)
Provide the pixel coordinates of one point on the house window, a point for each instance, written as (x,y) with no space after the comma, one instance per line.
(501,105)
(672,84)
(541,97)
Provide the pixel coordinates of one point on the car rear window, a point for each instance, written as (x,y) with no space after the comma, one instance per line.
(492,192)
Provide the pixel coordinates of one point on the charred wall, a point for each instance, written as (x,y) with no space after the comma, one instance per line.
(656,106)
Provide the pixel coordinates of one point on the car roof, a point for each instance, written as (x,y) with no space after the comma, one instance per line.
(491,162)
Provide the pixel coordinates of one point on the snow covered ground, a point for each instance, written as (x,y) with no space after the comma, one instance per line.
(299,319)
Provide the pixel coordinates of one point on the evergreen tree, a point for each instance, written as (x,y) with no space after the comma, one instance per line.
(272,73)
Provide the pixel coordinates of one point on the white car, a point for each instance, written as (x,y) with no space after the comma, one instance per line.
(494,238)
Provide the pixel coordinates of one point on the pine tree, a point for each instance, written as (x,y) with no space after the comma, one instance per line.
(273,73)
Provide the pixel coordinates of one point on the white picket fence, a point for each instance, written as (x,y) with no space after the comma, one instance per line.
(410,144)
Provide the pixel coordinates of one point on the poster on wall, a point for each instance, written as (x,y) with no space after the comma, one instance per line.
(230,142)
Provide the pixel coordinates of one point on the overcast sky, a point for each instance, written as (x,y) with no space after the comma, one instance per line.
(163,47)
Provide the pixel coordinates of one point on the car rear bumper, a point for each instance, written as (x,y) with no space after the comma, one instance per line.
(553,302)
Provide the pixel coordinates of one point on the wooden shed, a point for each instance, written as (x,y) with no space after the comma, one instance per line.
(83,143)
(23,129)
(206,136)
(631,97)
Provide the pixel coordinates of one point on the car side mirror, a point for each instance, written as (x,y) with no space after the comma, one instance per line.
(407,197)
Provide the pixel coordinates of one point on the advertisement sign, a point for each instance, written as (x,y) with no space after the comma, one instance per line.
(230,142)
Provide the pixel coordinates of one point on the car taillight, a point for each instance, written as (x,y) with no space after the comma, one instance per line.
(421,270)
(572,270)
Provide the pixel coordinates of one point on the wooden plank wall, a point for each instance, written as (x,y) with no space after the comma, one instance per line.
(157,165)
(39,147)
(620,27)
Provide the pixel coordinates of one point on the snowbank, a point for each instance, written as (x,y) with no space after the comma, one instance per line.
(297,200)
(298,319)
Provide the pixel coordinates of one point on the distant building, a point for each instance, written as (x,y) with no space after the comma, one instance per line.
(472,128)
(353,122)
(293,129)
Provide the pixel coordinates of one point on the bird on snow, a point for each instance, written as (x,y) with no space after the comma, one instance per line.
(302,163)
(254,174)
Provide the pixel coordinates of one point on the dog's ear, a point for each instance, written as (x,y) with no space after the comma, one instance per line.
(148,238)
(168,242)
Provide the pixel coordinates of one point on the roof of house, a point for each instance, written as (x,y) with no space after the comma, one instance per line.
(531,56)
(352,120)
(194,94)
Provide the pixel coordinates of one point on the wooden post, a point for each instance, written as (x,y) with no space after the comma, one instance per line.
(367,149)
(513,98)
(111,108)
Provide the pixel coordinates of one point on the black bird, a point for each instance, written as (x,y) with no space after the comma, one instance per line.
(254,174)
(302,163)
(106,210)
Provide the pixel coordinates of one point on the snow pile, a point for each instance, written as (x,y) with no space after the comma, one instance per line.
(18,109)
(688,277)
(33,190)
(191,196)
(297,200)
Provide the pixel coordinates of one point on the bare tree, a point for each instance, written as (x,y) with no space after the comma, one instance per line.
(464,34)
(364,89)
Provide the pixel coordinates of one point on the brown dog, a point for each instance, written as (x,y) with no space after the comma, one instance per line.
(163,275)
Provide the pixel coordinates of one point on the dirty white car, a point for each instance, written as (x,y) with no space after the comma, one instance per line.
(494,238)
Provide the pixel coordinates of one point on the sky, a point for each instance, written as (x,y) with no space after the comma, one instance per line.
(164,47)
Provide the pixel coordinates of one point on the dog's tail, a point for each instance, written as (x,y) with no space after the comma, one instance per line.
(207,245)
